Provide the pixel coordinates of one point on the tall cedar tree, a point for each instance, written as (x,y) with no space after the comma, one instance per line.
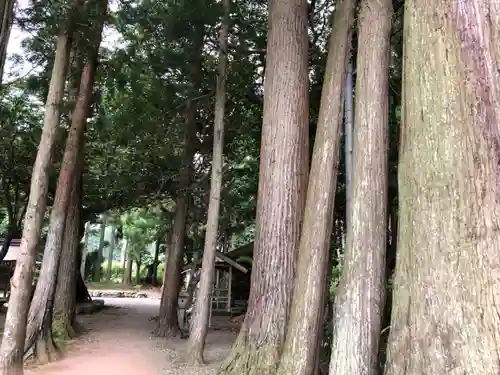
(199,326)
(168,325)
(65,299)
(445,304)
(301,345)
(360,297)
(281,194)
(39,342)
(12,349)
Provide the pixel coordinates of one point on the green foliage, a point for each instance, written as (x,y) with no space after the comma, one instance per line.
(140,228)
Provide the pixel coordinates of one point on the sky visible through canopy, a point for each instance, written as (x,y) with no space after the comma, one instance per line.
(13,71)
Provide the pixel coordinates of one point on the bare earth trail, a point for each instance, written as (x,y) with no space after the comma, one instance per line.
(119,342)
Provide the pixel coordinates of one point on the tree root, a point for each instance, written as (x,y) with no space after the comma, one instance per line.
(193,357)
(43,350)
(166,330)
(248,359)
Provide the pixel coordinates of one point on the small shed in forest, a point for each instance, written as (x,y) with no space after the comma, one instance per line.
(224,298)
(222,291)
(8,265)
(13,252)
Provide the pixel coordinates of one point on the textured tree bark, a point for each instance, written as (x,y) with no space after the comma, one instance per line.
(7,16)
(301,345)
(360,295)
(445,313)
(39,343)
(281,195)
(66,296)
(12,349)
(199,323)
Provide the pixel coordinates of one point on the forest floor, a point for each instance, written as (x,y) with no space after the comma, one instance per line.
(118,341)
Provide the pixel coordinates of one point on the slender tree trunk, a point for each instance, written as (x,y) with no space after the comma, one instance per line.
(66,296)
(168,324)
(7,14)
(445,313)
(98,262)
(154,276)
(360,295)
(138,271)
(301,346)
(84,248)
(12,349)
(281,195)
(39,341)
(123,255)
(111,249)
(127,272)
(199,324)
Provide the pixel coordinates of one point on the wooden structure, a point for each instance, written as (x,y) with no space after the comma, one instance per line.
(222,296)
(7,267)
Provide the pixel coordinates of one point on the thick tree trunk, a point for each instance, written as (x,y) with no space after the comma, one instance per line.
(199,323)
(445,313)
(7,16)
(360,295)
(65,298)
(301,346)
(281,195)
(12,349)
(98,261)
(40,314)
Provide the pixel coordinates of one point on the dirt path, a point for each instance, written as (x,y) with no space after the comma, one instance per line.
(120,343)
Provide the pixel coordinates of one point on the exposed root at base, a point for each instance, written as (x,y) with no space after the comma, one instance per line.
(248,359)
(44,350)
(193,357)
(11,367)
(166,331)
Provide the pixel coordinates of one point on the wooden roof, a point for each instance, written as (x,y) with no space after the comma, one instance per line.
(14,250)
